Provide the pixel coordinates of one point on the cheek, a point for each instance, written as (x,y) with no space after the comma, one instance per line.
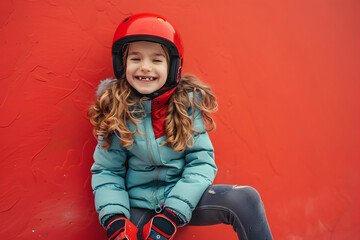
(165,71)
(128,71)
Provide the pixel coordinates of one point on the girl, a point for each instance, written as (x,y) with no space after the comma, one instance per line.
(154,162)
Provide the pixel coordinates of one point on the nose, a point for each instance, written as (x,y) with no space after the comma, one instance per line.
(146,68)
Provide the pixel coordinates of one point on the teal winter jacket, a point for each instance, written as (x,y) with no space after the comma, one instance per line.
(150,175)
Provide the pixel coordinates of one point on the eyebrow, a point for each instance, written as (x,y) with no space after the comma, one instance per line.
(155,54)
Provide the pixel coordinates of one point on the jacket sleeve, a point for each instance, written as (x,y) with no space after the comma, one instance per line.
(108,180)
(199,172)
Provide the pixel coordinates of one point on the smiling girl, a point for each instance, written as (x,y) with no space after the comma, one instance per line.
(154,162)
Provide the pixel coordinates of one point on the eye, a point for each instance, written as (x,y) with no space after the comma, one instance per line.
(158,60)
(135,59)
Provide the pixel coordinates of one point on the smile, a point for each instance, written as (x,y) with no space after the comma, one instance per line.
(145,78)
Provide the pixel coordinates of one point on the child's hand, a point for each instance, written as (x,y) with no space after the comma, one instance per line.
(120,229)
(162,226)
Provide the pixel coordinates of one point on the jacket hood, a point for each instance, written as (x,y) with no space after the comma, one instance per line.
(107,83)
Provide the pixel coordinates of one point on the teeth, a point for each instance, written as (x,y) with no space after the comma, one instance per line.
(146,78)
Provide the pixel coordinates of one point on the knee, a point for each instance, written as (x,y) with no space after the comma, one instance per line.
(244,197)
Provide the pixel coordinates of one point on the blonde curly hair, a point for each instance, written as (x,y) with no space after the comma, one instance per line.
(117,105)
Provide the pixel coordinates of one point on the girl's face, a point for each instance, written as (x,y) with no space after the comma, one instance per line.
(146,66)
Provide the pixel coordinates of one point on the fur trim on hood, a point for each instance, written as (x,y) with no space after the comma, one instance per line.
(104,85)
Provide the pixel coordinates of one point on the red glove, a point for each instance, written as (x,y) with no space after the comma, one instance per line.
(121,228)
(162,226)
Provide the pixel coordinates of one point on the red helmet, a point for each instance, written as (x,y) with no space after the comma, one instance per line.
(153,28)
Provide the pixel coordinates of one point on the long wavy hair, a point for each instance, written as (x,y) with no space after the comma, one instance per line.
(118,104)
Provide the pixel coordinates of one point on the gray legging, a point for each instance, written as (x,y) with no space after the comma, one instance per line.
(239,206)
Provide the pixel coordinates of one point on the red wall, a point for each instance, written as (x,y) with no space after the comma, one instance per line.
(286,74)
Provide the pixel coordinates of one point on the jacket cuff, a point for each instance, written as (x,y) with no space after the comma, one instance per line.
(173,217)
(180,208)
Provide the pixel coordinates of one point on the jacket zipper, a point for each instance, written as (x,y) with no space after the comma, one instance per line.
(158,207)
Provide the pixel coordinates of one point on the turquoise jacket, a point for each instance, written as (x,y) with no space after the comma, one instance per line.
(149,175)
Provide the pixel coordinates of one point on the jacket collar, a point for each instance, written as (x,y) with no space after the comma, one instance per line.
(161,100)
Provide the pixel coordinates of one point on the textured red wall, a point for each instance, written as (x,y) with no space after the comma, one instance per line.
(286,74)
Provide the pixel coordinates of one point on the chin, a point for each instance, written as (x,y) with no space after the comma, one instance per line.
(145,91)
